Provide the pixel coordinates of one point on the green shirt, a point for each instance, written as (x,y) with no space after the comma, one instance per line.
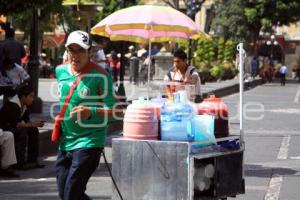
(94,90)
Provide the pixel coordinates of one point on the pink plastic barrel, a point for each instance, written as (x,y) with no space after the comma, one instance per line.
(140,122)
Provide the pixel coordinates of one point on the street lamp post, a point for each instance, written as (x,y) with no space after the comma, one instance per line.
(272,42)
(33,63)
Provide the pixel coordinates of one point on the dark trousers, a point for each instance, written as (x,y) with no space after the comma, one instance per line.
(115,73)
(26,137)
(73,170)
(282,79)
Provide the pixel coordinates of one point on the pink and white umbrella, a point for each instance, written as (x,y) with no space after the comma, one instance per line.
(146,24)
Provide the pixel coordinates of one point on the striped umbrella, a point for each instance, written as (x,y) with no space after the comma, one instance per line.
(147,24)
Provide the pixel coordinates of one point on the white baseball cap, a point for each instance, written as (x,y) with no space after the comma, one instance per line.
(79,37)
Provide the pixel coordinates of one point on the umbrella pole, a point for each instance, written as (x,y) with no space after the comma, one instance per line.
(149,68)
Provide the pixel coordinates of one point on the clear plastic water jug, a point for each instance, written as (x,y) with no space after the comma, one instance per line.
(176,121)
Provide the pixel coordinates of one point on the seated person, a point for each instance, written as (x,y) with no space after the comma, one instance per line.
(14,117)
(14,74)
(183,74)
(7,154)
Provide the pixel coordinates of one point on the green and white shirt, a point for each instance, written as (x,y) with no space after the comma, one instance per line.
(94,90)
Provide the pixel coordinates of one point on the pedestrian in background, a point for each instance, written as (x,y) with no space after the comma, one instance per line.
(83,124)
(100,58)
(12,48)
(134,65)
(114,64)
(298,73)
(282,70)
(254,67)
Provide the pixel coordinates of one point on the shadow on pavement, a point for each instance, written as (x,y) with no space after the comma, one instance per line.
(261,171)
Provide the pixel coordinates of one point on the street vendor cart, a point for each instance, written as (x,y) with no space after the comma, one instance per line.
(180,170)
(168,170)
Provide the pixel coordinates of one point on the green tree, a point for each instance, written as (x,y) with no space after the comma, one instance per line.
(262,15)
(230,22)
(243,20)
(50,16)
(114,5)
(17,6)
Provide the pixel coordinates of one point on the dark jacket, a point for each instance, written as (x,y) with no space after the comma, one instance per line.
(11,114)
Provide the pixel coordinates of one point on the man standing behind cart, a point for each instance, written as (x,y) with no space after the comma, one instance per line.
(84,125)
(183,74)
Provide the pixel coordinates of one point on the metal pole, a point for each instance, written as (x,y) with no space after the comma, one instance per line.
(271,56)
(121,89)
(241,68)
(149,69)
(190,51)
(241,86)
(33,63)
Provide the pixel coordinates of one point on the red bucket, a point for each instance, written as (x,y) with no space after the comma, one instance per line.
(216,107)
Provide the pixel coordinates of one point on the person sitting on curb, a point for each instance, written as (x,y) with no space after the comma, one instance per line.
(14,117)
(7,154)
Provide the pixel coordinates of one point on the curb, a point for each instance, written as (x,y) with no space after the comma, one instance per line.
(228,90)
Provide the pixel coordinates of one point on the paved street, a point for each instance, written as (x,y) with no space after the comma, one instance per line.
(272,156)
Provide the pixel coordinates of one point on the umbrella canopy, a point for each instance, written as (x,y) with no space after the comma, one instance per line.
(147,23)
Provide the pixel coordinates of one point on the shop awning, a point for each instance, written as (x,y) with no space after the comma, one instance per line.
(53,40)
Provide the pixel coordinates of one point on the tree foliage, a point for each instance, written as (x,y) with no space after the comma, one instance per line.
(17,6)
(230,22)
(111,6)
(49,17)
(243,20)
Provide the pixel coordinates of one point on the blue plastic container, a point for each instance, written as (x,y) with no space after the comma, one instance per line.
(176,121)
(203,126)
